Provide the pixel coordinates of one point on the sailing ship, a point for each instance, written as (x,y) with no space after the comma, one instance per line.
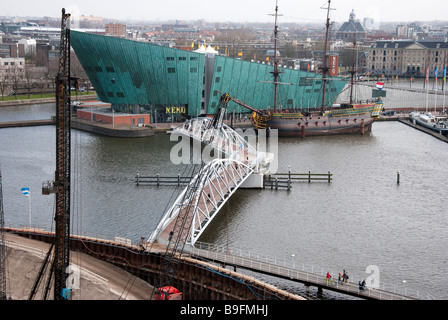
(351,117)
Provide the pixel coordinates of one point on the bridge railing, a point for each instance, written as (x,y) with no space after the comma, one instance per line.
(304,272)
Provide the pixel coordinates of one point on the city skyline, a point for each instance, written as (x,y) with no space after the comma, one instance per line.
(233,10)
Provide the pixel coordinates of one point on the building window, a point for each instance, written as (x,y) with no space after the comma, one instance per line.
(219,69)
(182,58)
(193,58)
(120,94)
(110,94)
(110,69)
(193,70)
(169,58)
(171,70)
(217,79)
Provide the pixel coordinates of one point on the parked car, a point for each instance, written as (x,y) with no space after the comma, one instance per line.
(389,113)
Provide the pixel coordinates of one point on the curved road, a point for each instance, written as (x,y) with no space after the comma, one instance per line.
(98,280)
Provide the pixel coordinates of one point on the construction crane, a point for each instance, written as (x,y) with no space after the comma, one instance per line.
(61,184)
(2,246)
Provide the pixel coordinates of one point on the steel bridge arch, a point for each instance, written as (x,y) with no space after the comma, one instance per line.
(200,201)
(209,190)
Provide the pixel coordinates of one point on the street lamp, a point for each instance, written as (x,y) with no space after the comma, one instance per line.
(402,289)
(292,260)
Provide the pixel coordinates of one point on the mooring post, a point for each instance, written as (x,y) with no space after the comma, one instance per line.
(138,176)
(178,180)
(309,176)
(158,180)
(398,177)
(329,177)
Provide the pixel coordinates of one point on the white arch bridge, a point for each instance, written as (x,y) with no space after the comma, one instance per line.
(217,180)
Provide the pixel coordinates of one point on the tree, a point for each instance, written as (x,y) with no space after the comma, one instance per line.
(290,49)
(4,85)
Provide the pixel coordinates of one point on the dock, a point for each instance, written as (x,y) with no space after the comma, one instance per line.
(437,135)
(27,123)
(273,181)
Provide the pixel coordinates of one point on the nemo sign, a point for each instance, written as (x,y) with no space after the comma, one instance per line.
(175,109)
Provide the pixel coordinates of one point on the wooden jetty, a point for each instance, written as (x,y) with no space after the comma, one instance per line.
(274,181)
(27,123)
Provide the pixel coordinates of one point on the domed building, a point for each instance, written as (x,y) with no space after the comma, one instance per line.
(351,30)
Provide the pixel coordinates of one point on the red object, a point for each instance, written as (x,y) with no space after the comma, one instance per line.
(168,293)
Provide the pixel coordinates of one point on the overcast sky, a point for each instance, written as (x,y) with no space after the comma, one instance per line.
(233,10)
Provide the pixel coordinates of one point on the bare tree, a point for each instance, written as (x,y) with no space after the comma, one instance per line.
(4,85)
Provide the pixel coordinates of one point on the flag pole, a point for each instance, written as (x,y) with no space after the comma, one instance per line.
(427,88)
(435,91)
(29,208)
(444,87)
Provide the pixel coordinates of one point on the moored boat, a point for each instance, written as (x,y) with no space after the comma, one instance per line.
(435,123)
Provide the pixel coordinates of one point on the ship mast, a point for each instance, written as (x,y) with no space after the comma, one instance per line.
(353,71)
(325,66)
(275,72)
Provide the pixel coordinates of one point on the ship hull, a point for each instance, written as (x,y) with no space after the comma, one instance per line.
(334,122)
(320,126)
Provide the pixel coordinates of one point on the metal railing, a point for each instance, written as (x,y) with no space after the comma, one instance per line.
(308,273)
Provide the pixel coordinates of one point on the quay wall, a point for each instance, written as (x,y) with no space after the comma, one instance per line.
(108,130)
(43,100)
(195,279)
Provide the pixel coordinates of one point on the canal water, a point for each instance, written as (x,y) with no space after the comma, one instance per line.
(362,218)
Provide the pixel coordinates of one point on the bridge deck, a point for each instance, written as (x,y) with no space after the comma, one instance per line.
(205,203)
(307,278)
